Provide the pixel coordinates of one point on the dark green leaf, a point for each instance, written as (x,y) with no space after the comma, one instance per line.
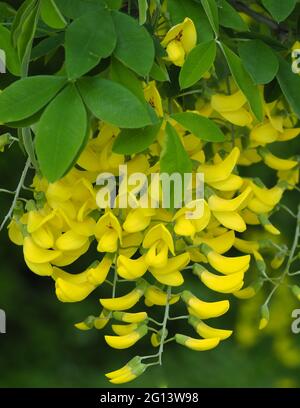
(244,82)
(135,47)
(159,72)
(198,61)
(51,14)
(290,85)
(230,18)
(60,136)
(259,60)
(76,8)
(211,10)
(251,35)
(27,96)
(46,46)
(12,59)
(174,158)
(179,9)
(143,7)
(131,141)
(200,126)
(124,76)
(87,41)
(6,11)
(114,103)
(280,9)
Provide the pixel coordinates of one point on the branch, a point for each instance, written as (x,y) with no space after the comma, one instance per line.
(240,6)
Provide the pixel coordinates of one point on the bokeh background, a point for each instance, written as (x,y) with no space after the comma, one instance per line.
(43,349)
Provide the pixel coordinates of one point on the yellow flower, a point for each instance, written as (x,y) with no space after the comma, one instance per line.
(152,96)
(231,108)
(179,41)
(108,233)
(127,373)
(185,226)
(158,240)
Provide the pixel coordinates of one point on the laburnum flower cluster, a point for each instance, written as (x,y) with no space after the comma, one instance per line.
(157,249)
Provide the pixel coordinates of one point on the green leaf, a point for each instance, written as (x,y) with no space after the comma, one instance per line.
(60,137)
(271,41)
(200,126)
(230,18)
(12,59)
(24,27)
(27,96)
(198,61)
(114,4)
(6,11)
(47,46)
(290,85)
(124,76)
(174,158)
(135,47)
(211,10)
(87,41)
(244,82)
(143,7)
(114,103)
(51,15)
(254,54)
(76,8)
(159,72)
(179,9)
(279,9)
(131,141)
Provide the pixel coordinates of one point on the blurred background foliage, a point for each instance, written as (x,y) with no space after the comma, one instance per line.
(42,348)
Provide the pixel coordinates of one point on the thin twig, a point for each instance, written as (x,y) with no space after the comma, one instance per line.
(17,193)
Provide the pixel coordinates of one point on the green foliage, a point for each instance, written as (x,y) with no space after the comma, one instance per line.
(230,18)
(211,10)
(290,85)
(203,128)
(87,41)
(61,133)
(199,61)
(254,54)
(244,82)
(134,45)
(131,141)
(174,158)
(280,10)
(27,96)
(114,103)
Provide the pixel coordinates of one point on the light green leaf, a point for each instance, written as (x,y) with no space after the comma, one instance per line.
(114,4)
(280,9)
(200,126)
(230,18)
(60,136)
(143,7)
(114,103)
(27,96)
(179,9)
(51,14)
(24,27)
(211,10)
(87,41)
(131,141)
(198,61)
(290,85)
(254,54)
(12,59)
(244,82)
(174,158)
(135,47)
